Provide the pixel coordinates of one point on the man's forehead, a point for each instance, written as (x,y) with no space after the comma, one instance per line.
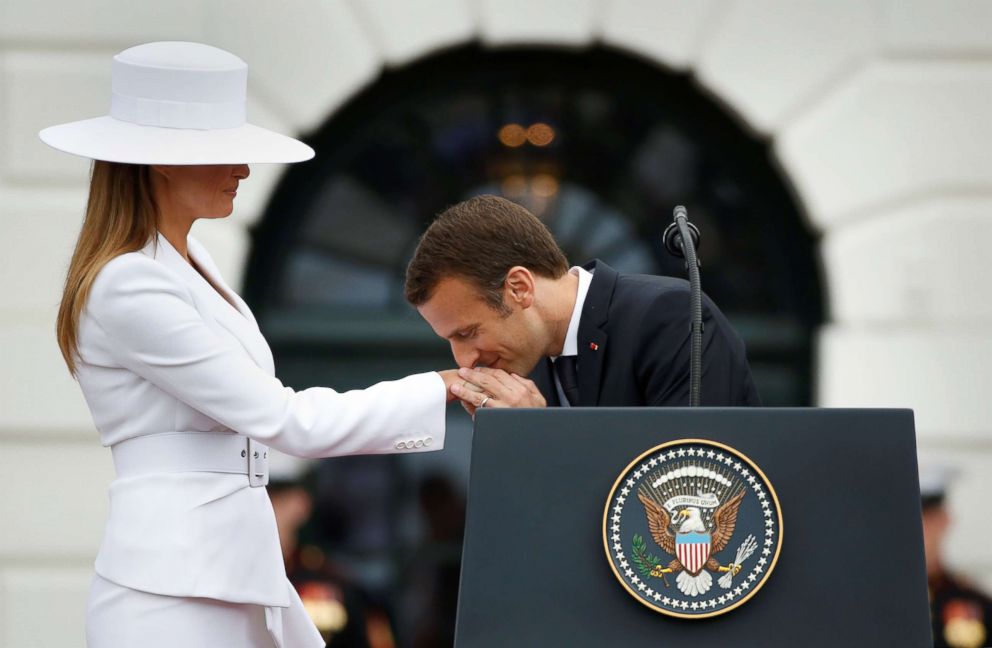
(454,305)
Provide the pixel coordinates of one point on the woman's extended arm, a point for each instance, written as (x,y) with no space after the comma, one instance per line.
(150,327)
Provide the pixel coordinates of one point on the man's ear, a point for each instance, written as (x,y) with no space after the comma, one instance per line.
(519,286)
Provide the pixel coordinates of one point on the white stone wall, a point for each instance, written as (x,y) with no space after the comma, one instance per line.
(878,111)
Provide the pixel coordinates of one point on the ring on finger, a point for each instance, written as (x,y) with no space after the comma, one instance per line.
(485,400)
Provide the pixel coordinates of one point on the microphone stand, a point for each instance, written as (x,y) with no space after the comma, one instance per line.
(681,239)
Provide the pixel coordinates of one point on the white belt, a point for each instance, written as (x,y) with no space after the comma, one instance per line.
(176,452)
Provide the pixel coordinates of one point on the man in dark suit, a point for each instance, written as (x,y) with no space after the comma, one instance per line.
(489,277)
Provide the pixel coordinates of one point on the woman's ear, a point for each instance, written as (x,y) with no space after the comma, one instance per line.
(160,170)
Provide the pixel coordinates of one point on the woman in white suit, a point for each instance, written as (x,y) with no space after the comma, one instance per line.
(179,379)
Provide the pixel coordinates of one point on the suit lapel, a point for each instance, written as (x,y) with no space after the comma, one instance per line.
(592,339)
(236,320)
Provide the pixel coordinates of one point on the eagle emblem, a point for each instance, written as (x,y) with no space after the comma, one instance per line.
(696,512)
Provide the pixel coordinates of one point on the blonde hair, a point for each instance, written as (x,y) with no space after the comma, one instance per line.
(120,218)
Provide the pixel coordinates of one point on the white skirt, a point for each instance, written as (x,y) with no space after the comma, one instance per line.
(120,617)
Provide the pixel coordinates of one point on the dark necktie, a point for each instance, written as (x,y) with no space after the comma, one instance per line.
(568,376)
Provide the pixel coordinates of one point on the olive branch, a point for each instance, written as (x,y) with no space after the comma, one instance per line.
(644,561)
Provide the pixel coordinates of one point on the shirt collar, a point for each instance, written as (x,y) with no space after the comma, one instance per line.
(571,347)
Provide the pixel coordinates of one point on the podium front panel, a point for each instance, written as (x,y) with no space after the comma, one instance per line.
(851,569)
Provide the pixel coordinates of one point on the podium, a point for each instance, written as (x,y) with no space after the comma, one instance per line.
(850,571)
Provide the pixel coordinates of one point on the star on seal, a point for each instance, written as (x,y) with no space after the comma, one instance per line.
(701,536)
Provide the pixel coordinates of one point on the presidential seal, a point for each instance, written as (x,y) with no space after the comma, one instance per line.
(692,528)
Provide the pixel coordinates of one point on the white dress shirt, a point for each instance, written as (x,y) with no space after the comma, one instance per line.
(571,347)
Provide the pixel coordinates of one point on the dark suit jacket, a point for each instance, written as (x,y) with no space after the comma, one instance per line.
(633,345)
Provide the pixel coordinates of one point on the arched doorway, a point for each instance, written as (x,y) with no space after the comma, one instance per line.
(601,145)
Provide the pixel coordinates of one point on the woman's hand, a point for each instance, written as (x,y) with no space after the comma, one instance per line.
(451,378)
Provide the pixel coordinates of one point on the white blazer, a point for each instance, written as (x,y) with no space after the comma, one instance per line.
(160,351)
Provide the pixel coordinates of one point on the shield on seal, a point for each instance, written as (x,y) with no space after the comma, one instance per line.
(693,550)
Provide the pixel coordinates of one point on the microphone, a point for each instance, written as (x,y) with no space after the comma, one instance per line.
(673,237)
(681,239)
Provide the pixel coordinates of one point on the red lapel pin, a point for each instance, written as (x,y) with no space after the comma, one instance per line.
(594,346)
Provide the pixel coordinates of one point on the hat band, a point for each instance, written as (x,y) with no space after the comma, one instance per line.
(177,114)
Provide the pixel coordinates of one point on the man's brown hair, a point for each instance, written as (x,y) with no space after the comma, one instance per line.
(480,239)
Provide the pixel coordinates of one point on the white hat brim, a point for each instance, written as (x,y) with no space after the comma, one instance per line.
(113,140)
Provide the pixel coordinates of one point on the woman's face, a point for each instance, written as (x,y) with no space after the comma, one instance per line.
(199,191)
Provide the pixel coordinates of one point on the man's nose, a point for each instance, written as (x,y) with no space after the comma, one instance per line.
(465,355)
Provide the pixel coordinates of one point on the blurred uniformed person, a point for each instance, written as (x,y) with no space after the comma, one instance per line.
(342,612)
(960,613)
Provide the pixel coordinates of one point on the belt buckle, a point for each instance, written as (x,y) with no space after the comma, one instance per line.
(258,464)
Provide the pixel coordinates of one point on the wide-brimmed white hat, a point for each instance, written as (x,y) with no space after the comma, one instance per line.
(176,103)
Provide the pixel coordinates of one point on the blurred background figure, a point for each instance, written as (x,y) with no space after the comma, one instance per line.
(443,507)
(345,615)
(960,613)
